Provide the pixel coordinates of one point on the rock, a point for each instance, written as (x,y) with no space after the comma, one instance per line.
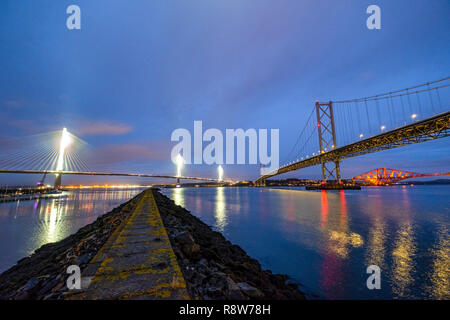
(214,292)
(23,295)
(233,291)
(217,265)
(192,251)
(84,259)
(202,269)
(49,285)
(217,281)
(31,284)
(60,285)
(188,245)
(249,290)
(197,278)
(184,238)
(210,254)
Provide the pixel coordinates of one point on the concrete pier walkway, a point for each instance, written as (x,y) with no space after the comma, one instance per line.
(136,262)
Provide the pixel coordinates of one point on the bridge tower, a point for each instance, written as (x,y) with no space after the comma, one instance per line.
(327,140)
(64,142)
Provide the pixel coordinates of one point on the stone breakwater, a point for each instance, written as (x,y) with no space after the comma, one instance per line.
(212,267)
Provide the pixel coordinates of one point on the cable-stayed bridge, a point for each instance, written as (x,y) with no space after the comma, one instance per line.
(338,130)
(50,154)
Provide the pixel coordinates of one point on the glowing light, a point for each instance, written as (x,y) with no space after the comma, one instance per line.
(383,127)
(180,162)
(361,135)
(413,116)
(220,214)
(64,143)
(178,196)
(220,172)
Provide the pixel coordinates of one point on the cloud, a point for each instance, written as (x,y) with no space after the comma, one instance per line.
(118,153)
(93,128)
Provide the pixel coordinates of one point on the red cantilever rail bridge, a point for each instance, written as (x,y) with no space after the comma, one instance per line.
(385,176)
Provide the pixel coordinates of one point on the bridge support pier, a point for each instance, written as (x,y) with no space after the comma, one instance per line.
(58,181)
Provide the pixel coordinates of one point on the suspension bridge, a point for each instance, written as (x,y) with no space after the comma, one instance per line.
(366,125)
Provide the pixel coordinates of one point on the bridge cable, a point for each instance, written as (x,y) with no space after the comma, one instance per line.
(420,105)
(431,100)
(300,135)
(359,118)
(368,118)
(439,99)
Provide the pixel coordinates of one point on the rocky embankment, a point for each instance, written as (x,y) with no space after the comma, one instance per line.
(42,275)
(212,266)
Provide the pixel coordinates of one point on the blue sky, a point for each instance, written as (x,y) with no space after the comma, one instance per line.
(137,70)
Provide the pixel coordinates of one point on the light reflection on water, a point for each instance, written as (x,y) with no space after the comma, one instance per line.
(326,240)
(27,225)
(221,216)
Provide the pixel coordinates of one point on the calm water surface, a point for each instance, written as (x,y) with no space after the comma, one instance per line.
(27,225)
(323,240)
(326,240)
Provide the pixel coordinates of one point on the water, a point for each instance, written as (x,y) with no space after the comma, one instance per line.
(323,240)
(326,240)
(27,225)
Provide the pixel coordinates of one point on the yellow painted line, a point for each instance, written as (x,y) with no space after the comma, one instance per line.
(133,275)
(116,232)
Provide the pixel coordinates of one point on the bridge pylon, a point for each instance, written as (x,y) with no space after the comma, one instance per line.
(327,140)
(58,181)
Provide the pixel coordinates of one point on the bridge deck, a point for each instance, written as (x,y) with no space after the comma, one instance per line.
(117,174)
(137,262)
